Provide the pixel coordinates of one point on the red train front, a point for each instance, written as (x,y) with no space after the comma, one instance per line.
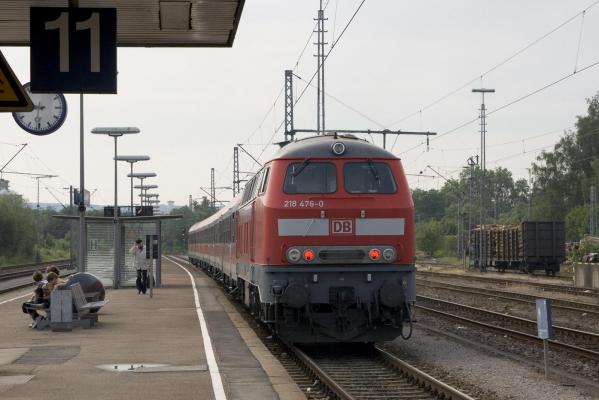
(321,244)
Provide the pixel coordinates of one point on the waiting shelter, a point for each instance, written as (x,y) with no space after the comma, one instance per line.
(100,251)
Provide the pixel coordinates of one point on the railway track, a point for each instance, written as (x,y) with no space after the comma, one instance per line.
(580,342)
(508,282)
(19,271)
(567,305)
(369,372)
(352,371)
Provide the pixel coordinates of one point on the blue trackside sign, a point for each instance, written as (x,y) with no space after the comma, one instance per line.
(544,323)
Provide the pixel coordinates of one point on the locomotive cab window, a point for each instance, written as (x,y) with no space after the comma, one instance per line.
(310,177)
(368,177)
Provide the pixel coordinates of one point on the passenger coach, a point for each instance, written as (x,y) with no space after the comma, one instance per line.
(321,243)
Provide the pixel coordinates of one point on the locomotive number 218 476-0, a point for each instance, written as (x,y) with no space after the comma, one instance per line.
(303,203)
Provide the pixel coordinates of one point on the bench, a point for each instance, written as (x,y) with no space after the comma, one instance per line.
(83,307)
(61,316)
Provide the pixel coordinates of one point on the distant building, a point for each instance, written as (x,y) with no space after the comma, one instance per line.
(170,206)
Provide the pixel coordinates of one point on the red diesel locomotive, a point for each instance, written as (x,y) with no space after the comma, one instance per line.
(321,243)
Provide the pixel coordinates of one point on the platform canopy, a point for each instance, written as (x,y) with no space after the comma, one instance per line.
(141,23)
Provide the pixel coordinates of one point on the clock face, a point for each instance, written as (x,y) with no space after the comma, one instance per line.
(49,112)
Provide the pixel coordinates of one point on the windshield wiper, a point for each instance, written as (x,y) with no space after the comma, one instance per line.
(301,168)
(374,171)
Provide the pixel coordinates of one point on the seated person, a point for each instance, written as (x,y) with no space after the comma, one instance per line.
(37,299)
(57,272)
(52,284)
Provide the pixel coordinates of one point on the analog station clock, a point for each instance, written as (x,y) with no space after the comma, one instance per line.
(49,112)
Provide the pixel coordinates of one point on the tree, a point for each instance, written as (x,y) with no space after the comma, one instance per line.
(577,223)
(18,233)
(430,236)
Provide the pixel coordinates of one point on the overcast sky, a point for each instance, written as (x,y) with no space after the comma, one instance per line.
(194,105)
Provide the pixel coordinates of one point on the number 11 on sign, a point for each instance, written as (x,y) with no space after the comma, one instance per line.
(62,24)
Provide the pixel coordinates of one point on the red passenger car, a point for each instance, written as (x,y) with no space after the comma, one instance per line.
(321,243)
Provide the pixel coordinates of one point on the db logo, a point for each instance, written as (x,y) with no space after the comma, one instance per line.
(342,226)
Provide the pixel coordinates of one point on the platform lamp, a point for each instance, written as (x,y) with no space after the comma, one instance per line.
(141,176)
(116,133)
(149,196)
(144,189)
(132,160)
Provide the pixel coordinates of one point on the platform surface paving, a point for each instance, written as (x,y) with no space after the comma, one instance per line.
(162,333)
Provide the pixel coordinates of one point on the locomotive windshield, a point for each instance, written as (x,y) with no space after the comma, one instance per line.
(368,177)
(310,177)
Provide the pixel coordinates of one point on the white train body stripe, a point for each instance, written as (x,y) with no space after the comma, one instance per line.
(320,226)
(380,226)
(304,227)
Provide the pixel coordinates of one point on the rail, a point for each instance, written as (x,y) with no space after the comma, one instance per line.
(505,281)
(511,296)
(372,373)
(586,338)
(19,271)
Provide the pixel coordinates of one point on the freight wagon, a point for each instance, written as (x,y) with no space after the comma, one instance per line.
(525,247)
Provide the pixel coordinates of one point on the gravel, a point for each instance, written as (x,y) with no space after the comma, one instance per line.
(482,372)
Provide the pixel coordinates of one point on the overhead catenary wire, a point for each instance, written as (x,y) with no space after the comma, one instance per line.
(493,68)
(334,43)
(508,104)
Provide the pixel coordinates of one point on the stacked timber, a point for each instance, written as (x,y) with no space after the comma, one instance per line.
(528,246)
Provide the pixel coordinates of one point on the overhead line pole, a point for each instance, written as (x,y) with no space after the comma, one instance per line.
(483,157)
(236,180)
(212,189)
(471,164)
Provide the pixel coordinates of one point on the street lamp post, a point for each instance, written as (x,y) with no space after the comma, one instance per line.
(143,189)
(132,160)
(115,133)
(141,176)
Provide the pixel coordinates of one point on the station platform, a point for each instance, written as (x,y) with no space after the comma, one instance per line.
(187,352)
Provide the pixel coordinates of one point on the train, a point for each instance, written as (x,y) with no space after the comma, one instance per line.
(320,244)
(525,247)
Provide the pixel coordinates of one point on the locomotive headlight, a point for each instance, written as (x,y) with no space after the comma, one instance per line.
(309,254)
(374,254)
(294,255)
(389,255)
(338,148)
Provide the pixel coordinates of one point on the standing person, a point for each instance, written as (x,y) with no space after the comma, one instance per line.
(139,255)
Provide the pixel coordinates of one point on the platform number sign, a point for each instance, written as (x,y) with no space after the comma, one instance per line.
(73,50)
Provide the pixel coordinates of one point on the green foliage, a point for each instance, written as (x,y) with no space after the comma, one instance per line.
(585,247)
(430,237)
(562,177)
(561,184)
(18,231)
(577,222)
(28,235)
